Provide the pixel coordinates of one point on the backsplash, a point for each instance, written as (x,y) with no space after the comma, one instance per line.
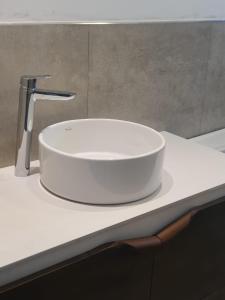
(168,76)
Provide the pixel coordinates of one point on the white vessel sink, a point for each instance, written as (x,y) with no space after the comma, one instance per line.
(101,161)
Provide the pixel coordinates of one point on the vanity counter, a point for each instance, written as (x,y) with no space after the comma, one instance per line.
(39,229)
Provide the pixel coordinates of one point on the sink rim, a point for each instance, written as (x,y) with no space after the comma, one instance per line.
(66,154)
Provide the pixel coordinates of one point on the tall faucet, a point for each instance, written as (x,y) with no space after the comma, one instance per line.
(27,97)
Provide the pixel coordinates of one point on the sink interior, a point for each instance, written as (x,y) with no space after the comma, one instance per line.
(89,139)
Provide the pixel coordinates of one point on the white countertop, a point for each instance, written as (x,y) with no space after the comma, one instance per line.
(38,229)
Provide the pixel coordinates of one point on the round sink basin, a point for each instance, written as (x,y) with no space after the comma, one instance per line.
(101,161)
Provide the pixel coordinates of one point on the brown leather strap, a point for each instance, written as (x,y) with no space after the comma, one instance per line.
(173,229)
(142,243)
(163,236)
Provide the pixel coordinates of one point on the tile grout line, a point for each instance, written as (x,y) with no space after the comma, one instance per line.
(88,71)
(203,100)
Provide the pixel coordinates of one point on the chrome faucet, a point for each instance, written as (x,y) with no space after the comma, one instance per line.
(28,96)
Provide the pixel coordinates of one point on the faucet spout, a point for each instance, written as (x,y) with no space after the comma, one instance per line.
(28,96)
(40,94)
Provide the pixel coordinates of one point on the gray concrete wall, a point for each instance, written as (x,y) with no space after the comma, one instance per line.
(167,76)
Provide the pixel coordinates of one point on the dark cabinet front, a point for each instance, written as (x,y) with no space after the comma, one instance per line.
(114,273)
(192,265)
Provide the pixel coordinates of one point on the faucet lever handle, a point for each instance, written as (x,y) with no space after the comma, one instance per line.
(29,81)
